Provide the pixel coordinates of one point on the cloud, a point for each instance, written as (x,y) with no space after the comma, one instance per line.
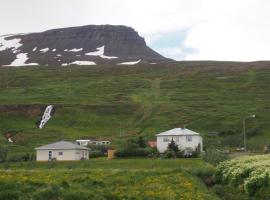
(231,30)
(213,29)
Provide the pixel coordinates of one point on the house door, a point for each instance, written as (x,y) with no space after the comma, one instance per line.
(50,155)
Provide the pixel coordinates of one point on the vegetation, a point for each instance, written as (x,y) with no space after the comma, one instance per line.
(250,174)
(121,102)
(106,179)
(135,147)
(214,156)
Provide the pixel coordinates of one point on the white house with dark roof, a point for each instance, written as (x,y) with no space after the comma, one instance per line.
(183,137)
(62,151)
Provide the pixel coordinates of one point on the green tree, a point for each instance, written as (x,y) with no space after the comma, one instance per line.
(173,147)
(141,142)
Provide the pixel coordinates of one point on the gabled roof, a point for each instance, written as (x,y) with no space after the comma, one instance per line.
(61,145)
(178,131)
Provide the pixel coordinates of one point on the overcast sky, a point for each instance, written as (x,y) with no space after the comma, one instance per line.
(181,29)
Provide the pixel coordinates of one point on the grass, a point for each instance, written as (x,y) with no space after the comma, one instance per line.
(120,102)
(106,179)
(116,164)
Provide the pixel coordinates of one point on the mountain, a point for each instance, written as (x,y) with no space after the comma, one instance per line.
(85,45)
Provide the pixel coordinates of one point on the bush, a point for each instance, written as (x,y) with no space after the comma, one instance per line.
(136,147)
(214,156)
(140,152)
(101,148)
(95,154)
(20,157)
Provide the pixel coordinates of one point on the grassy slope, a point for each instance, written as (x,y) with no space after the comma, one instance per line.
(110,179)
(122,101)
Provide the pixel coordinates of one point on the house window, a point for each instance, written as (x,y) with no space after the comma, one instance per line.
(189,138)
(166,139)
(50,155)
(60,153)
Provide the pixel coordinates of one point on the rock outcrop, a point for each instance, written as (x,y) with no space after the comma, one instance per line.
(85,45)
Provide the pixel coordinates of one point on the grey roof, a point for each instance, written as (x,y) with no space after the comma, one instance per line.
(61,145)
(178,131)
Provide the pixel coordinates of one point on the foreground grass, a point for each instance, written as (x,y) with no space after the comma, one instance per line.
(106,179)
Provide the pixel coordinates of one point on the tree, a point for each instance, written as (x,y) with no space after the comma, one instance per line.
(141,142)
(173,147)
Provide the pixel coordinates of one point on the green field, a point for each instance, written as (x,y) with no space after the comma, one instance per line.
(98,179)
(119,102)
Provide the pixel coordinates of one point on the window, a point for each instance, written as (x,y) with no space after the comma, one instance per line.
(189,138)
(60,153)
(50,155)
(166,139)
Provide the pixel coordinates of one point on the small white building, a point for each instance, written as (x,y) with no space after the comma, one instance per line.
(62,151)
(83,143)
(183,138)
(92,142)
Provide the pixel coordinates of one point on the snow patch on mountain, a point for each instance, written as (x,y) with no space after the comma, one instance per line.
(100,53)
(74,50)
(20,60)
(130,63)
(83,63)
(44,50)
(8,44)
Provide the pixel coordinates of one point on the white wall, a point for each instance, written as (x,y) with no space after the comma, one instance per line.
(43,155)
(181,141)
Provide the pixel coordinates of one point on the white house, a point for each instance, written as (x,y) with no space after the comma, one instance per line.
(83,143)
(62,151)
(93,142)
(183,137)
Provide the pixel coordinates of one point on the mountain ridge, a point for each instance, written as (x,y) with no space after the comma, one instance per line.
(83,45)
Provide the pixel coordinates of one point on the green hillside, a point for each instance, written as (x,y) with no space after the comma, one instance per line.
(119,102)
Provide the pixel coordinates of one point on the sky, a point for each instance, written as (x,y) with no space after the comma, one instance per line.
(231,30)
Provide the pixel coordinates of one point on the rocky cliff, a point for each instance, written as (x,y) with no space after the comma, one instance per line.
(85,45)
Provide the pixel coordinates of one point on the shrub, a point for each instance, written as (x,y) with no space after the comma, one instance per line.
(20,157)
(101,148)
(214,156)
(131,152)
(136,147)
(250,172)
(95,154)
